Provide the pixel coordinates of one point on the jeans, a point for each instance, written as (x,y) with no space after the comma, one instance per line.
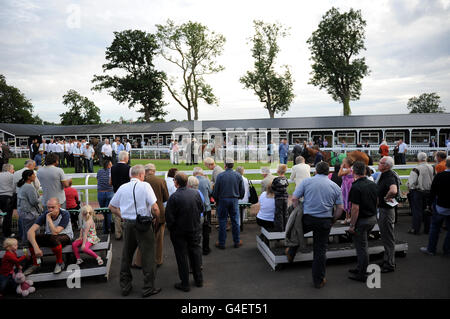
(88,165)
(386,224)
(228,207)
(436,224)
(103,200)
(360,240)
(283,159)
(419,201)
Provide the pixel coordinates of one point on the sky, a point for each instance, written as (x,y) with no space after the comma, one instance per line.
(48,47)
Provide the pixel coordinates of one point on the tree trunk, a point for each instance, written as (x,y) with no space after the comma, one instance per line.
(189,114)
(271,114)
(195,113)
(347,110)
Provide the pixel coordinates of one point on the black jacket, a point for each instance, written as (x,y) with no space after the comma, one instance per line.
(183,211)
(440,189)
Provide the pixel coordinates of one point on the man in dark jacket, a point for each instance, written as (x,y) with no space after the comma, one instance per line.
(120,174)
(228,189)
(183,211)
(297,151)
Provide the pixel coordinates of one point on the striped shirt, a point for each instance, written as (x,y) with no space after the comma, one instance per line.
(103,180)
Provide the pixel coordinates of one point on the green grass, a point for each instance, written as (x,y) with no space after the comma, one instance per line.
(165,165)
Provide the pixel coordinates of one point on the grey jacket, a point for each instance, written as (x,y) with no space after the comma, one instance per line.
(294,236)
(28,201)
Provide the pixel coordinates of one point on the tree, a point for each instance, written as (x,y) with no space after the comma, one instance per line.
(334,46)
(14,106)
(425,103)
(193,49)
(275,90)
(132,53)
(81,111)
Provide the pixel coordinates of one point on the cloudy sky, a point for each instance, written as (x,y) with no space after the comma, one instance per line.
(51,46)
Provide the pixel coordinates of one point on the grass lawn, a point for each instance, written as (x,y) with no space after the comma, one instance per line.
(165,165)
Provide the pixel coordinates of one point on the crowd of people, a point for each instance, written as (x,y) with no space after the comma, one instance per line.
(142,205)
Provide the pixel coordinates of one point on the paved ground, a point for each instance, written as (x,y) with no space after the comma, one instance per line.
(244,273)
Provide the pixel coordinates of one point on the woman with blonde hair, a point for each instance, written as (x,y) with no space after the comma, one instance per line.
(266,215)
(88,236)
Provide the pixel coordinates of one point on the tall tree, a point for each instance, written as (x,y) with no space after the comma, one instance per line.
(274,90)
(14,106)
(334,46)
(193,49)
(131,54)
(425,103)
(82,111)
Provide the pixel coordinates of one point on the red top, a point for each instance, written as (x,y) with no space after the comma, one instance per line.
(384,150)
(71,197)
(8,262)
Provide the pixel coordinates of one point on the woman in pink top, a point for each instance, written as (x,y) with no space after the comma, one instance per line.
(347,179)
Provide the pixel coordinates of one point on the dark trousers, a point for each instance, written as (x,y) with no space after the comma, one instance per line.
(66,160)
(6,205)
(52,241)
(88,165)
(436,224)
(386,224)
(146,243)
(321,230)
(280,218)
(114,158)
(265,223)
(61,159)
(187,252)
(206,231)
(103,200)
(78,164)
(360,240)
(419,202)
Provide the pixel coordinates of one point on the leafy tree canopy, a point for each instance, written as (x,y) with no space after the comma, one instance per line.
(81,111)
(425,103)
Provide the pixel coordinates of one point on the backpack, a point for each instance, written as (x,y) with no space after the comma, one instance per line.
(253,196)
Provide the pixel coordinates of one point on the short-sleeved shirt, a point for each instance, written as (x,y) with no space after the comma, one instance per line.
(71,197)
(103,176)
(402,148)
(364,194)
(51,178)
(124,199)
(320,194)
(384,183)
(107,150)
(266,207)
(63,220)
(88,152)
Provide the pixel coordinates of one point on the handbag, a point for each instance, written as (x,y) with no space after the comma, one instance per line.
(253,196)
(143,223)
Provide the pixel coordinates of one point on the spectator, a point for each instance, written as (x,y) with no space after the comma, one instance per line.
(335,175)
(59,149)
(319,156)
(297,150)
(128,149)
(267,178)
(105,193)
(210,164)
(120,174)
(88,155)
(162,195)
(271,151)
(320,195)
(27,202)
(397,157)
(29,165)
(183,211)
(88,236)
(440,159)
(346,173)
(419,185)
(9,262)
(119,148)
(402,147)
(363,196)
(72,202)
(266,214)
(77,157)
(300,171)
(279,187)
(205,188)
(114,152)
(228,189)
(53,180)
(58,233)
(283,151)
(175,152)
(240,170)
(133,198)
(7,192)
(440,195)
(107,151)
(169,180)
(387,190)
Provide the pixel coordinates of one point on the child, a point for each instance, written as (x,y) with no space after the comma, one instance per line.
(72,202)
(347,180)
(279,187)
(8,262)
(88,236)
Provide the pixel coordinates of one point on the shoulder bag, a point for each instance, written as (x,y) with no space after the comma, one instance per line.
(143,223)
(253,196)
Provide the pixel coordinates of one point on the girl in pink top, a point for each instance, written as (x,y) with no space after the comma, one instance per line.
(88,236)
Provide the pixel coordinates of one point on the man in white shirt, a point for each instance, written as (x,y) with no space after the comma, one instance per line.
(402,151)
(132,198)
(59,149)
(88,153)
(300,171)
(107,151)
(77,156)
(128,149)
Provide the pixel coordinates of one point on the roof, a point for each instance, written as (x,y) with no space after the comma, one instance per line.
(415,120)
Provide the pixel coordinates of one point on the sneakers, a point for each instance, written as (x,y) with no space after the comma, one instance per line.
(31,270)
(425,251)
(179,286)
(152,292)
(58,268)
(79,261)
(99,261)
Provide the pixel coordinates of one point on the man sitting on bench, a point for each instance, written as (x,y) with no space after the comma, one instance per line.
(58,233)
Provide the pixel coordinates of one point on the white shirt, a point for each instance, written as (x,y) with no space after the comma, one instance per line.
(123,199)
(87,152)
(266,207)
(68,148)
(59,148)
(247,191)
(52,147)
(402,148)
(77,151)
(43,147)
(128,147)
(114,146)
(170,185)
(107,150)
(299,173)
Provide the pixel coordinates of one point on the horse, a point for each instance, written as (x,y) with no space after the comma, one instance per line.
(353,155)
